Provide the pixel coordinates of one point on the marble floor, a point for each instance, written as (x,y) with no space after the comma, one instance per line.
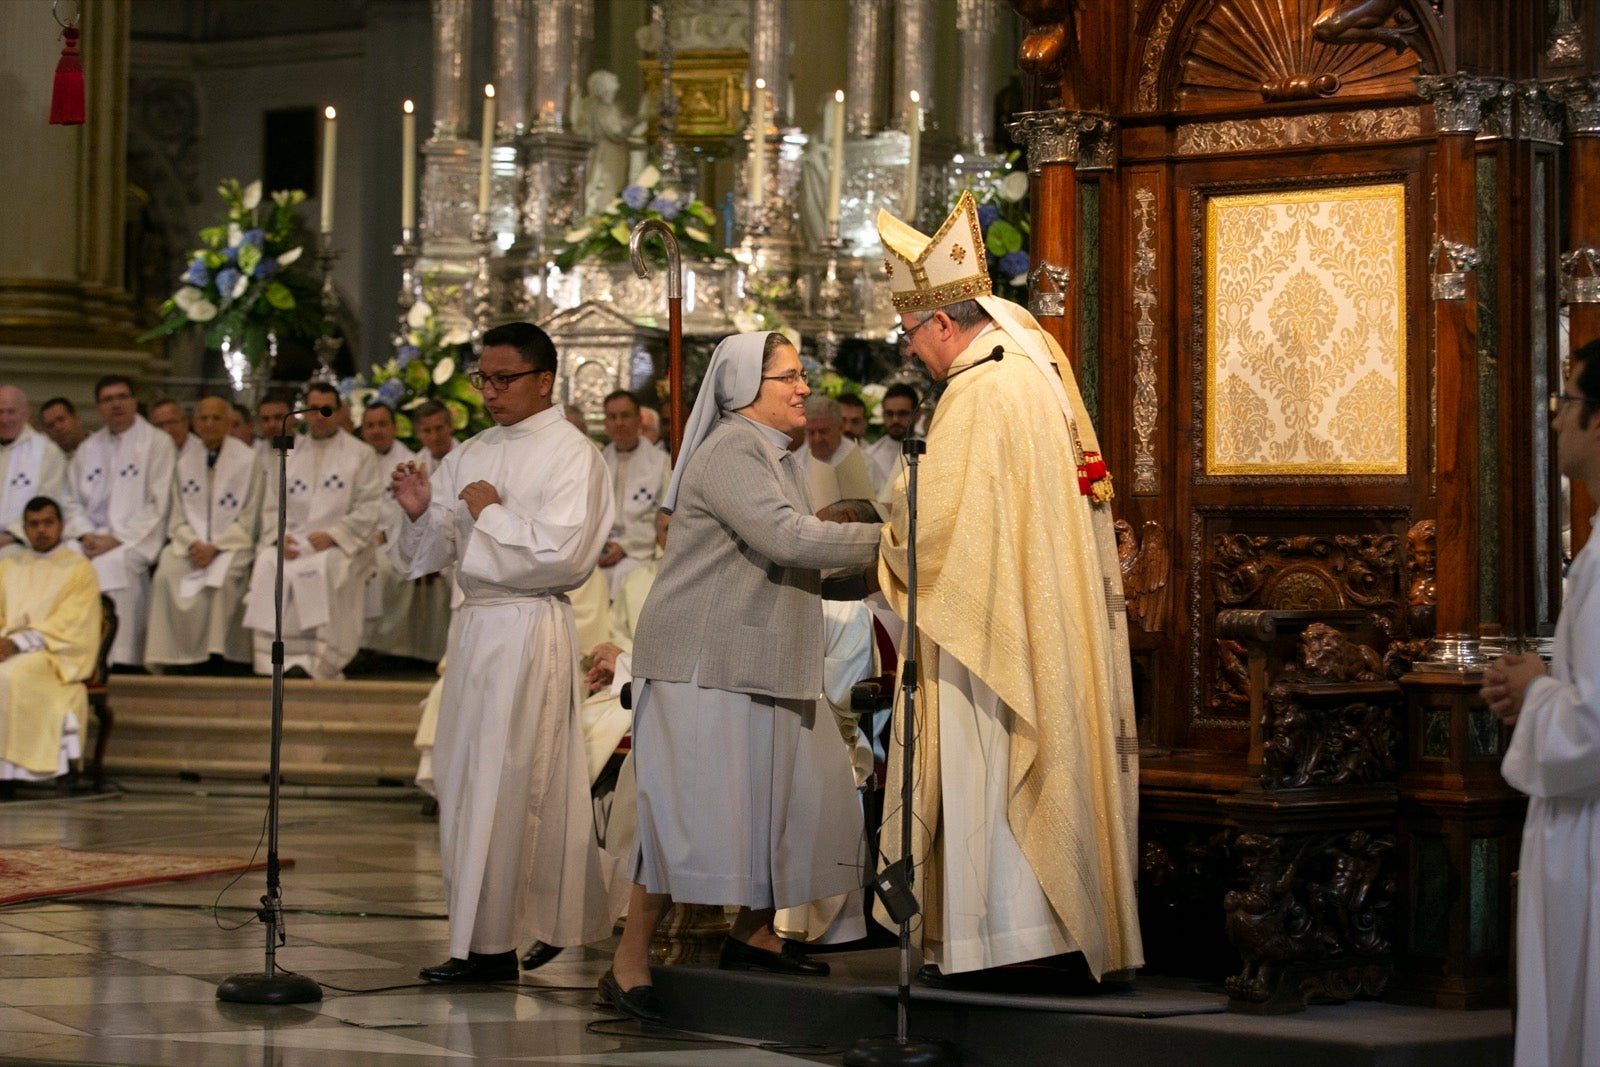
(130,976)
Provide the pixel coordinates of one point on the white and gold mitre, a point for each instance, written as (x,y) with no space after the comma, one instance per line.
(933,272)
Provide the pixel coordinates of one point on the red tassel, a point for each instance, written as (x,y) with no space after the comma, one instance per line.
(1095,465)
(66,99)
(1083,481)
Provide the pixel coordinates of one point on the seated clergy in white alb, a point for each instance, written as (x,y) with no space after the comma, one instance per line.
(639,473)
(197,597)
(30,465)
(119,486)
(50,619)
(334,502)
(834,465)
(404,617)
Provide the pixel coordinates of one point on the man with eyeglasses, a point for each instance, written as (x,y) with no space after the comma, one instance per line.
(1554,757)
(119,487)
(335,501)
(522,510)
(899,412)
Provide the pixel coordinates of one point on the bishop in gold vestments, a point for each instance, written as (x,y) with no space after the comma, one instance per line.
(1027,770)
(49,633)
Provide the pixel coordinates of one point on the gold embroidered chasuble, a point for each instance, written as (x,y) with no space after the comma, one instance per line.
(1018,580)
(56,596)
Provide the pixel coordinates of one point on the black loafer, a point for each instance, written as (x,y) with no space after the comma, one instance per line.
(538,955)
(494,967)
(640,1002)
(738,956)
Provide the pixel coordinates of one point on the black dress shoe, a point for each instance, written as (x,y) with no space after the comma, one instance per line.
(738,956)
(538,955)
(640,1002)
(477,967)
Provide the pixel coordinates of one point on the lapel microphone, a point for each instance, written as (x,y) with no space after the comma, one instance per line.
(996,356)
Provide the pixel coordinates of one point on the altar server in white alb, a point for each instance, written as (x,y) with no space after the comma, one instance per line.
(197,599)
(1554,757)
(119,487)
(639,473)
(30,465)
(49,637)
(335,499)
(403,617)
(522,510)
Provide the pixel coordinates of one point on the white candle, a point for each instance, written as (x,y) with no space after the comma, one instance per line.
(914,128)
(758,144)
(836,157)
(486,165)
(408,167)
(330,144)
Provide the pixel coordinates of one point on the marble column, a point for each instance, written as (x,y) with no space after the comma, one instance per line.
(975,26)
(554,49)
(452,68)
(769,55)
(511,18)
(868,37)
(65,313)
(1458,112)
(915,43)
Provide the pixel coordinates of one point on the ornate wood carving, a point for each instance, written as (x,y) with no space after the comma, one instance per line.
(1230,688)
(1146,402)
(1386,22)
(1330,718)
(1294,131)
(1146,573)
(1313,917)
(1049,50)
(1241,52)
(1308,571)
(1421,551)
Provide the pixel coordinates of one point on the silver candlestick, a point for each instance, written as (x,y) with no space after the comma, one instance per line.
(829,293)
(327,346)
(407,251)
(482,299)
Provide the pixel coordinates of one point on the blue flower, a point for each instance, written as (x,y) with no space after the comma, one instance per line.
(348,384)
(391,391)
(227,278)
(988,215)
(1013,265)
(664,206)
(406,354)
(266,268)
(197,273)
(252,237)
(636,196)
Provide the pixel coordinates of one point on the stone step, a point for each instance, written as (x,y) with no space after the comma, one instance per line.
(353,732)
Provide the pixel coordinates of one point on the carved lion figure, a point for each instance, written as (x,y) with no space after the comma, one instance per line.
(1326,655)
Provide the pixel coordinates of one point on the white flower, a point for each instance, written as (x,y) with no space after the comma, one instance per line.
(235,234)
(290,256)
(792,334)
(239,286)
(1014,186)
(457,335)
(202,311)
(252,195)
(697,234)
(416,316)
(647,178)
(746,321)
(414,403)
(1021,279)
(443,370)
(572,237)
(874,390)
(186,298)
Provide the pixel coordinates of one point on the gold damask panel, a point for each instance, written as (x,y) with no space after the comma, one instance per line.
(1306,332)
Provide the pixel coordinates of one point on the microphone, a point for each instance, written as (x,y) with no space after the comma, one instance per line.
(326,410)
(996,356)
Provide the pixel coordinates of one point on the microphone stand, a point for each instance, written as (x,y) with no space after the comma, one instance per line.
(898,881)
(271,987)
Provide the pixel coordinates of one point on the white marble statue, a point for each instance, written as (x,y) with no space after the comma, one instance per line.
(701,26)
(597,117)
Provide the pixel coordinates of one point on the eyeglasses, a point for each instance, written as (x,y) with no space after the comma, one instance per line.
(500,381)
(905,335)
(791,379)
(1557,399)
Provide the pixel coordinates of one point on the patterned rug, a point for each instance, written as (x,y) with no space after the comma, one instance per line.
(53,871)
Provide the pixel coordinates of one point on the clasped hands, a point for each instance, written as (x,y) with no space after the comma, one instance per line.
(413,492)
(1506,682)
(97,544)
(319,542)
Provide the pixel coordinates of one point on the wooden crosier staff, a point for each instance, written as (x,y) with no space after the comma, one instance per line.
(674,315)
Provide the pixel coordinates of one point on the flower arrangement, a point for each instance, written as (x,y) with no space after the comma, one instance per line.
(429,364)
(834,384)
(238,286)
(1003,213)
(604,237)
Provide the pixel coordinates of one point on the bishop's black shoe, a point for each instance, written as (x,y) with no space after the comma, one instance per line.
(538,955)
(477,967)
(738,956)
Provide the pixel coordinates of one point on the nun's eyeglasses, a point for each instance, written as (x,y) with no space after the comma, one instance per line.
(792,379)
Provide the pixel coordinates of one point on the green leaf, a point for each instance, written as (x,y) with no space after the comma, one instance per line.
(1002,238)
(249,258)
(620,233)
(214,236)
(278,295)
